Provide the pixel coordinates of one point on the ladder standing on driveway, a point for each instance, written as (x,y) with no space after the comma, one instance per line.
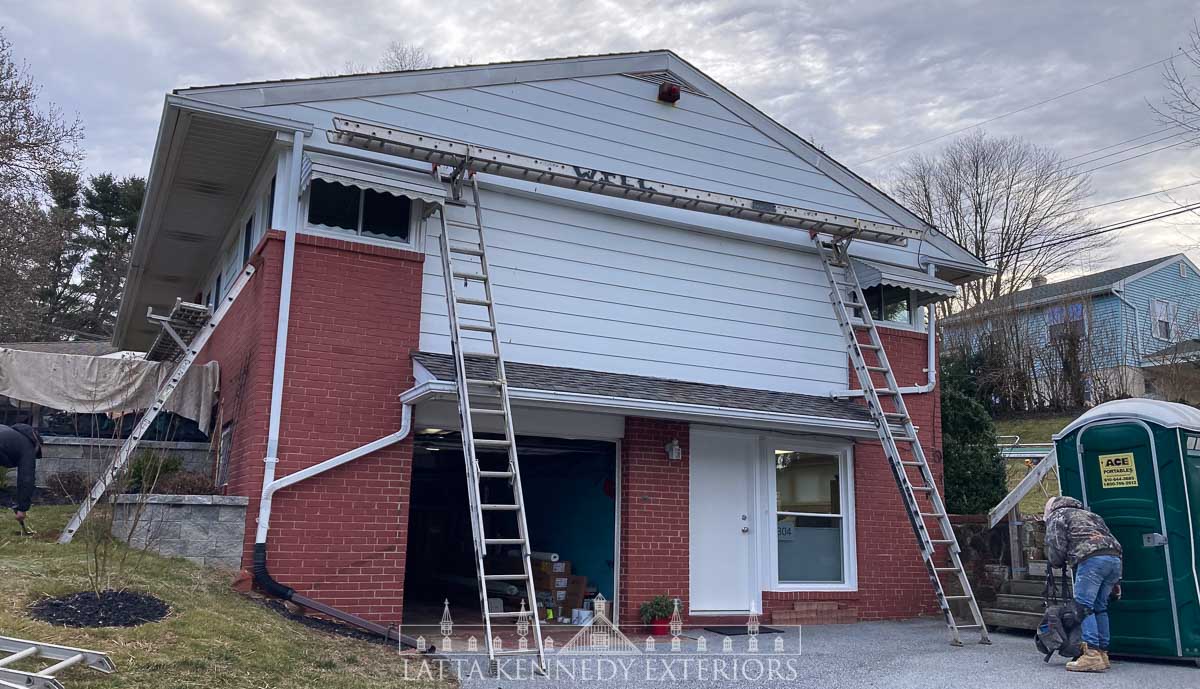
(913,489)
(469,158)
(483,394)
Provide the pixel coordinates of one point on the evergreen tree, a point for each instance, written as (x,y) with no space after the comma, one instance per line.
(111,209)
(975,476)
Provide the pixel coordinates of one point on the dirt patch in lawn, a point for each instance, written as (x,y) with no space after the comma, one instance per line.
(109,609)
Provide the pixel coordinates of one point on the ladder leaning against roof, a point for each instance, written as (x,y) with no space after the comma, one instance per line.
(468,159)
(184,333)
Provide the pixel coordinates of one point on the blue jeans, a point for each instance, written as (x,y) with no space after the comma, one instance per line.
(1095,578)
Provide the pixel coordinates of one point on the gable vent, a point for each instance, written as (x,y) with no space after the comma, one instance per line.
(664,78)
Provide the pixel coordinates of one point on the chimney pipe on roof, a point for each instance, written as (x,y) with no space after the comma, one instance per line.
(1038,280)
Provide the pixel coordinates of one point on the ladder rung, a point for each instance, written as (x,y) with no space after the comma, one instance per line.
(472,302)
(504,577)
(967,626)
(940,541)
(516,651)
(911,464)
(509,613)
(895,414)
(495,474)
(956,598)
(860,326)
(504,541)
(487,442)
(480,277)
(946,569)
(477,328)
(500,508)
(854,305)
(904,438)
(465,250)
(862,345)
(19,655)
(939,515)
(497,412)
(63,665)
(923,489)
(481,381)
(877,369)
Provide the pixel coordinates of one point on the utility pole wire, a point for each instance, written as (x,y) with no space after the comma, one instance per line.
(1105,229)
(1022,109)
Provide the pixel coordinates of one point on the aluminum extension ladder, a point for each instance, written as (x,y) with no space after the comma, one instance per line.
(20,649)
(836,255)
(483,394)
(184,333)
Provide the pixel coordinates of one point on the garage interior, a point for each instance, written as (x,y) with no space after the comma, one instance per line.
(570,489)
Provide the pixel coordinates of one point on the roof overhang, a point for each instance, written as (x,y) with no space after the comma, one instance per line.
(205,161)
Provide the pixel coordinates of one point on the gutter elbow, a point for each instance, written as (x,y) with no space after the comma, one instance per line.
(263,579)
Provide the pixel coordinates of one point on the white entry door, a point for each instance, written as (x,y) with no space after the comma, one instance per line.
(721,522)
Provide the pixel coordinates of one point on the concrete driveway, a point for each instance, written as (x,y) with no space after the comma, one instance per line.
(889,655)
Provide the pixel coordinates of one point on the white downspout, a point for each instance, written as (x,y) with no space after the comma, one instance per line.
(281,331)
(931,355)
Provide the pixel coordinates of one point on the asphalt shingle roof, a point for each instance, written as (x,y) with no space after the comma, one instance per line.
(1084,283)
(581,381)
(79,348)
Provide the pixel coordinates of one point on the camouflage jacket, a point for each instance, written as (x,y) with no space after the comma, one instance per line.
(1073,534)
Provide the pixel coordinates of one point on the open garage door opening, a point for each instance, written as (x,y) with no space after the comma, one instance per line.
(571,499)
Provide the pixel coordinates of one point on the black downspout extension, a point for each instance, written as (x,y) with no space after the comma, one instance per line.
(268,585)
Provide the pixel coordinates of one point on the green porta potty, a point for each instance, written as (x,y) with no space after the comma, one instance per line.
(1136,463)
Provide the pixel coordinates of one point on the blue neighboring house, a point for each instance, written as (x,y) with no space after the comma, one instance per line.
(1124,332)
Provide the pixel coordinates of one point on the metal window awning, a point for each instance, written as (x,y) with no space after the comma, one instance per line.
(872,274)
(365,175)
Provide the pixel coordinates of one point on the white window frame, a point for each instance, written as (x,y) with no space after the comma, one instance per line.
(916,319)
(768,541)
(1172,312)
(416,224)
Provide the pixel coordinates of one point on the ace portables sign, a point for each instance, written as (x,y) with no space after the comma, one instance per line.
(1118,471)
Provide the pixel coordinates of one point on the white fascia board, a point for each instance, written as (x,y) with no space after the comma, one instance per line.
(438,79)
(437,389)
(248,117)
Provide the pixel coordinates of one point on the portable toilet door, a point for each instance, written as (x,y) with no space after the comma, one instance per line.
(1129,462)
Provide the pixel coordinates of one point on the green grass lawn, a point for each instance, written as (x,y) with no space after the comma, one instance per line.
(1032,429)
(1035,500)
(213,637)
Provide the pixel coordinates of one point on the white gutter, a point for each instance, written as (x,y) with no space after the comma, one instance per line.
(931,356)
(281,333)
(532,397)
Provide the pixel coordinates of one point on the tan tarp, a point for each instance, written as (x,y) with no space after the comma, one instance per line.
(98,385)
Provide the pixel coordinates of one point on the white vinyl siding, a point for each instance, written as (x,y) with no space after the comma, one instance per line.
(589,290)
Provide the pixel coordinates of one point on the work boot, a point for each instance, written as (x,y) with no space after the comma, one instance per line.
(1089,661)
(1104,655)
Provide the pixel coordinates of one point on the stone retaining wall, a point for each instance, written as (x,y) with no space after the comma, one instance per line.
(205,529)
(91,455)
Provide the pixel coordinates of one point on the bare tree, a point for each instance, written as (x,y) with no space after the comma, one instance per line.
(397,57)
(34,140)
(1009,202)
(1180,107)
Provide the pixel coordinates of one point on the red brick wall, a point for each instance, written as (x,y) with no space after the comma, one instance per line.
(892,580)
(355,316)
(654,515)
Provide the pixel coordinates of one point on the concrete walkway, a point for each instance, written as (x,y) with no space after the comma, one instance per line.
(889,655)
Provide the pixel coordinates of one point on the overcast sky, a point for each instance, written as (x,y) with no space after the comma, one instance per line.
(859,78)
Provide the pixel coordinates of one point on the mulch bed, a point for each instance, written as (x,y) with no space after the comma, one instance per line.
(324,625)
(109,609)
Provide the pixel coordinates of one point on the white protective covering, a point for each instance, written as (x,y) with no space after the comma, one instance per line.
(1165,414)
(99,385)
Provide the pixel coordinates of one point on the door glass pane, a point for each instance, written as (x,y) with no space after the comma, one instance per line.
(810,549)
(806,482)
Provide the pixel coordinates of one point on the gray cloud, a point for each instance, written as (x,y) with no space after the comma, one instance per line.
(861,78)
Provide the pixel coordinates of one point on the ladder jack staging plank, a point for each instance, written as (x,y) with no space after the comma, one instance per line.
(17,650)
(486,395)
(915,490)
(184,334)
(467,159)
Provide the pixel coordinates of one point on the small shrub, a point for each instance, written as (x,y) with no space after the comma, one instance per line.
(69,485)
(185,483)
(149,468)
(657,608)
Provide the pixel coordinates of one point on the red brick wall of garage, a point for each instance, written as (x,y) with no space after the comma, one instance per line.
(892,581)
(355,316)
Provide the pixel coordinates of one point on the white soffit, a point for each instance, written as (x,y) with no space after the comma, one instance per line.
(381,178)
